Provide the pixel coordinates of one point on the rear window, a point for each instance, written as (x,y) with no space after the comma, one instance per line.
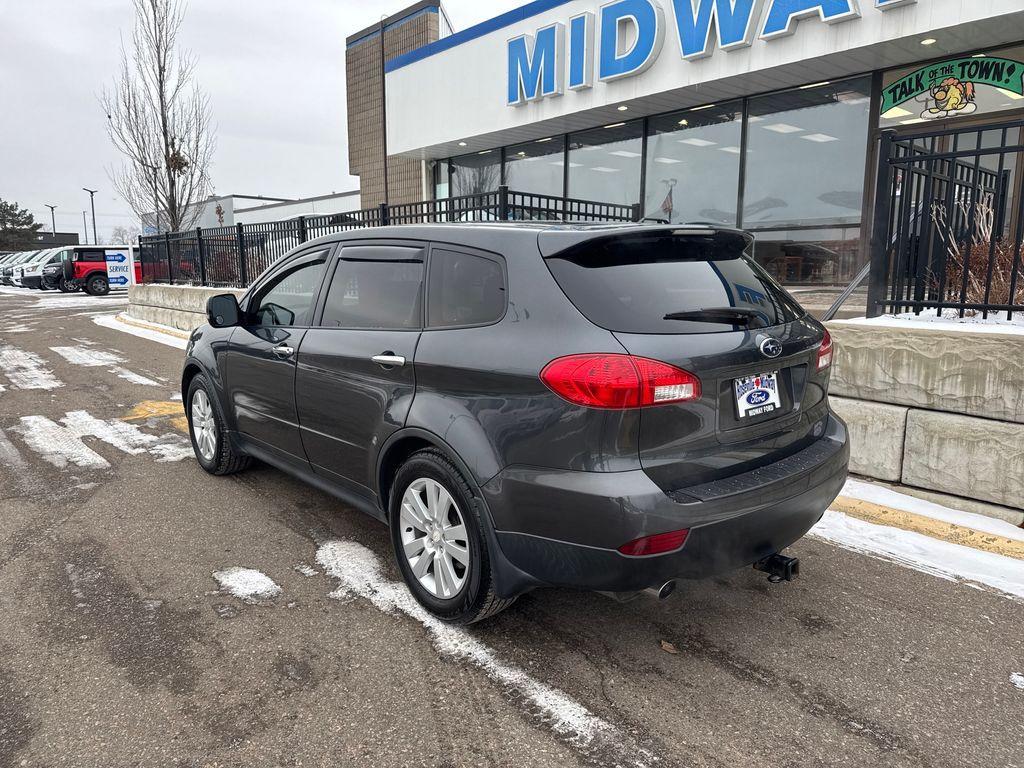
(662,283)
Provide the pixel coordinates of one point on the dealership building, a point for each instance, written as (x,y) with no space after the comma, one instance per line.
(761,114)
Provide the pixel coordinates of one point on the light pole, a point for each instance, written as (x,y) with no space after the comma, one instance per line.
(92,203)
(53,221)
(85,228)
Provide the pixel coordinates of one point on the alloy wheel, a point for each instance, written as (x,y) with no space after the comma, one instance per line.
(204,427)
(434,538)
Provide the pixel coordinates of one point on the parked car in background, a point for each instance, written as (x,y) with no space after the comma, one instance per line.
(7,272)
(605,407)
(30,274)
(84,267)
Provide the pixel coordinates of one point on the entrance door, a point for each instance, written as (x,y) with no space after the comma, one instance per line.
(356,380)
(261,359)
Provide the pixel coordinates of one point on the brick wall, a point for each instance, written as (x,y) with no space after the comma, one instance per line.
(363,79)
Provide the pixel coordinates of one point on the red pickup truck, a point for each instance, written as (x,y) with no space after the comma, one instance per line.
(85,267)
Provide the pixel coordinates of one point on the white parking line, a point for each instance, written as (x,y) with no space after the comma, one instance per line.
(26,370)
(359,572)
(9,456)
(64,444)
(89,357)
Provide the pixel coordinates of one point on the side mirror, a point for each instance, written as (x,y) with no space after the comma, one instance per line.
(223,311)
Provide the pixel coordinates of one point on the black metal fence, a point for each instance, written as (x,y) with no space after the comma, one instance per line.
(235,256)
(949,223)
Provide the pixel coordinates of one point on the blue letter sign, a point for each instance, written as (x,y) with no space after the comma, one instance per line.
(535,65)
(734,20)
(885,5)
(581,51)
(784,14)
(648,22)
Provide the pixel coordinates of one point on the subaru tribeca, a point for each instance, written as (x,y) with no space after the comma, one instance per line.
(605,407)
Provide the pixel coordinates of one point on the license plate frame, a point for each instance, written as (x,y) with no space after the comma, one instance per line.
(757,395)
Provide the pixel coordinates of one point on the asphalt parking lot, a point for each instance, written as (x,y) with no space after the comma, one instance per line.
(119,647)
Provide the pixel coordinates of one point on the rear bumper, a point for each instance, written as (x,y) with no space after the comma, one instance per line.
(563,528)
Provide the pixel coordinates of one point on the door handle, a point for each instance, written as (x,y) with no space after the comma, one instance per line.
(389,360)
(284,351)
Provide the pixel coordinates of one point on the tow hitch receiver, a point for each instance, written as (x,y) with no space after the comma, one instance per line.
(779,568)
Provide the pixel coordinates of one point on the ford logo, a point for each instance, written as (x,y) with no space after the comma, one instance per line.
(771,348)
(760,397)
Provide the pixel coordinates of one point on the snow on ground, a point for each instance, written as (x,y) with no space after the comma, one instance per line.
(923,553)
(885,497)
(1018,680)
(115,323)
(247,584)
(950,321)
(89,357)
(26,370)
(63,444)
(360,575)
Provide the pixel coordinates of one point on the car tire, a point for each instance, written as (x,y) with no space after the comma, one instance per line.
(63,287)
(212,448)
(468,597)
(97,285)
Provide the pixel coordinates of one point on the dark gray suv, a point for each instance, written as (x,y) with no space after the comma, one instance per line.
(606,407)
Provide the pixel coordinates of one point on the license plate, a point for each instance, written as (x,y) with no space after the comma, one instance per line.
(757,395)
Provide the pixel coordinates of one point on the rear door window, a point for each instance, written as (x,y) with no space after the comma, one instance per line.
(376,287)
(671,283)
(465,290)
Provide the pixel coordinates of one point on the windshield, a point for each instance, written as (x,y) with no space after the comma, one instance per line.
(670,283)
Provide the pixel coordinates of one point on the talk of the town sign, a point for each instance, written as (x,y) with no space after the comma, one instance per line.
(570,55)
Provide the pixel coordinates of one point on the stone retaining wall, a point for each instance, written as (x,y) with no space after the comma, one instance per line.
(938,411)
(176,306)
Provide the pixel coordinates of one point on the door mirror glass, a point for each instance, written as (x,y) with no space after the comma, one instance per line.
(223,312)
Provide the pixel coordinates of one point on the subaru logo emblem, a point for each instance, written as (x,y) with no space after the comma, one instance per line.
(771,348)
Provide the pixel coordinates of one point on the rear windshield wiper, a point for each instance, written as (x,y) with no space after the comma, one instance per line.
(721,315)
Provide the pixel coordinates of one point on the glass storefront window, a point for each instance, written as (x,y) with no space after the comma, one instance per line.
(814,257)
(693,165)
(476,174)
(536,167)
(806,153)
(604,164)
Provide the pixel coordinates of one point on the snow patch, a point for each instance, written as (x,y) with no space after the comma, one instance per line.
(88,358)
(26,370)
(943,559)
(1017,679)
(9,456)
(97,358)
(63,444)
(247,584)
(305,570)
(950,321)
(359,572)
(876,494)
(134,378)
(114,323)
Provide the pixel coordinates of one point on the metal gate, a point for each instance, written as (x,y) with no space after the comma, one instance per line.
(949,222)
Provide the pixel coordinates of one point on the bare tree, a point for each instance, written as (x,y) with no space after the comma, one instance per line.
(160,120)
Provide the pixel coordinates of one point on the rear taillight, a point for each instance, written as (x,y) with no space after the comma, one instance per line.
(619,381)
(825,352)
(655,545)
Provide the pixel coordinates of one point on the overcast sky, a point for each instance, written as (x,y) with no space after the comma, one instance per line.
(274,69)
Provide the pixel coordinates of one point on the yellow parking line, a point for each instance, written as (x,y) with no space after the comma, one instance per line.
(937,529)
(160,409)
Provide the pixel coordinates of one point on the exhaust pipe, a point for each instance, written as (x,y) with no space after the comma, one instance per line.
(779,568)
(663,591)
